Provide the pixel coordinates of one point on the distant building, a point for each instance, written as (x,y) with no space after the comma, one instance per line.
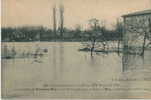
(136,26)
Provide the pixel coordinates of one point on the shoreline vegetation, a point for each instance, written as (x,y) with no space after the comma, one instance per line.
(95,36)
(96,29)
(39,33)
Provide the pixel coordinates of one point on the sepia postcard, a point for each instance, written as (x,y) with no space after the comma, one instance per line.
(76,49)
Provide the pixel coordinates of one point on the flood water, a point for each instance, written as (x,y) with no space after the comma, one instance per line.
(62,63)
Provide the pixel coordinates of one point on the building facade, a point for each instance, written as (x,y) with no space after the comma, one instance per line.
(137,29)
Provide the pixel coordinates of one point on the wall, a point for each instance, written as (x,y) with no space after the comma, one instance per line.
(135,28)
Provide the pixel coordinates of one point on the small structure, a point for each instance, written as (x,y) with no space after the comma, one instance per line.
(137,30)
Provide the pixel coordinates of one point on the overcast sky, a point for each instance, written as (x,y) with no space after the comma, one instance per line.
(39,12)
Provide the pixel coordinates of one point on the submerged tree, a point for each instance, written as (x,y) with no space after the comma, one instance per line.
(141,30)
(93,34)
(119,30)
(149,20)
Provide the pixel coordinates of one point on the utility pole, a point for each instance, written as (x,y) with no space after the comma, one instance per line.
(61,20)
(54,21)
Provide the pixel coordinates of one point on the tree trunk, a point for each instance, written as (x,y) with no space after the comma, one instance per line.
(118,45)
(144,43)
(92,48)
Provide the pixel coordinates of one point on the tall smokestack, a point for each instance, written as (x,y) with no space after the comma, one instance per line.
(61,20)
(54,21)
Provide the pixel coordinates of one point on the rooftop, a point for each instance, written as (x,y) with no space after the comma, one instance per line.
(138,13)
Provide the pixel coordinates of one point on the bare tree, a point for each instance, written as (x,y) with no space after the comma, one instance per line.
(119,30)
(93,34)
(78,31)
(149,20)
(139,28)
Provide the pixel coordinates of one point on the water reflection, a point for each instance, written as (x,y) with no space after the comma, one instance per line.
(132,62)
(61,58)
(64,64)
(57,60)
(54,61)
(63,55)
(92,60)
